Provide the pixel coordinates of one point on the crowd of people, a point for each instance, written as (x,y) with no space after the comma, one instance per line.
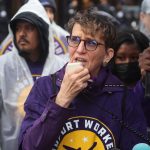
(83,87)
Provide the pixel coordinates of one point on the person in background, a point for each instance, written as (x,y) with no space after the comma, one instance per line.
(106,5)
(145,18)
(50,7)
(144,63)
(129,44)
(87,4)
(72,7)
(59,34)
(32,56)
(82,105)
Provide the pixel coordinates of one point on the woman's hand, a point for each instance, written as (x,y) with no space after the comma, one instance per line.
(73,83)
(144,61)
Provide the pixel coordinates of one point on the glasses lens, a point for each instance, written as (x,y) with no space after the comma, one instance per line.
(73,41)
(91,45)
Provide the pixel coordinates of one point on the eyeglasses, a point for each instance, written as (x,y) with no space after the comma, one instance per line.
(89,44)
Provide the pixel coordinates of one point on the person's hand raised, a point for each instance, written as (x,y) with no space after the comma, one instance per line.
(144,61)
(74,81)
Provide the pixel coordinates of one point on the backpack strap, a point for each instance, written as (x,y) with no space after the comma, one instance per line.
(53,79)
(123,109)
(123,105)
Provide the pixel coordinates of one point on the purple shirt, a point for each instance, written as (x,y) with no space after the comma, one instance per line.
(36,69)
(140,91)
(93,120)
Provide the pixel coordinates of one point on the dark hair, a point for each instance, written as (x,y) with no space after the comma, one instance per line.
(92,23)
(49,3)
(132,37)
(43,29)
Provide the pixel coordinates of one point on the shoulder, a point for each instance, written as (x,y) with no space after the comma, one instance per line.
(7,59)
(6,55)
(40,92)
(59,30)
(43,82)
(46,84)
(120,91)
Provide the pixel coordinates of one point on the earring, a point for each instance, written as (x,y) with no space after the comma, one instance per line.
(105,63)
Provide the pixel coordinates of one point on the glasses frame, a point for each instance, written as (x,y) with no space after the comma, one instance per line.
(85,41)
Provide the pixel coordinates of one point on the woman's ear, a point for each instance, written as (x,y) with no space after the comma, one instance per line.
(108,56)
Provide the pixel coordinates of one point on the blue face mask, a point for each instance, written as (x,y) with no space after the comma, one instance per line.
(129,73)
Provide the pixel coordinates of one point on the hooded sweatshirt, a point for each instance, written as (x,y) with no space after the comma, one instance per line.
(15,76)
(59,34)
(103,116)
(61,46)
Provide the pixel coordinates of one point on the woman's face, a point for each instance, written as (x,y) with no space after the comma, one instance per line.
(127,53)
(92,60)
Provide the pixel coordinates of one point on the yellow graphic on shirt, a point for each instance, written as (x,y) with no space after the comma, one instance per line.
(85,140)
(84,133)
(22,98)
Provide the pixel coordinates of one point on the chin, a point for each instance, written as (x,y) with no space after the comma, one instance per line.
(22,49)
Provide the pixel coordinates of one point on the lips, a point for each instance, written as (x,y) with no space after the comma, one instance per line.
(23,41)
(82,60)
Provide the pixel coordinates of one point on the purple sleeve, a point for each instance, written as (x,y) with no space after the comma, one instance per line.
(140,91)
(136,124)
(43,120)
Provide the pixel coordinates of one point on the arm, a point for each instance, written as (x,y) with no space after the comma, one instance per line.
(139,90)
(43,118)
(44,115)
(144,61)
(135,120)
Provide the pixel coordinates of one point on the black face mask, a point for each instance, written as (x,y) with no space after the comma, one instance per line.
(129,73)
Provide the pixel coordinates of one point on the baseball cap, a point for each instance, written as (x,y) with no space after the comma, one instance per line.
(145,6)
(50,3)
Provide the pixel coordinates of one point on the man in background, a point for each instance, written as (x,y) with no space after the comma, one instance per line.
(59,34)
(58,31)
(31,57)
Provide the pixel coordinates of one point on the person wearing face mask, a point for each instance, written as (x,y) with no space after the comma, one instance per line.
(129,44)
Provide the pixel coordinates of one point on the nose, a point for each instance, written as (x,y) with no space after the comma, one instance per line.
(21,32)
(127,60)
(81,47)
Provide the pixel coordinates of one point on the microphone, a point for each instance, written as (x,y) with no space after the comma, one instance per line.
(147,85)
(141,146)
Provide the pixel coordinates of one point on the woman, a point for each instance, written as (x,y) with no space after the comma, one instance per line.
(82,108)
(129,44)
